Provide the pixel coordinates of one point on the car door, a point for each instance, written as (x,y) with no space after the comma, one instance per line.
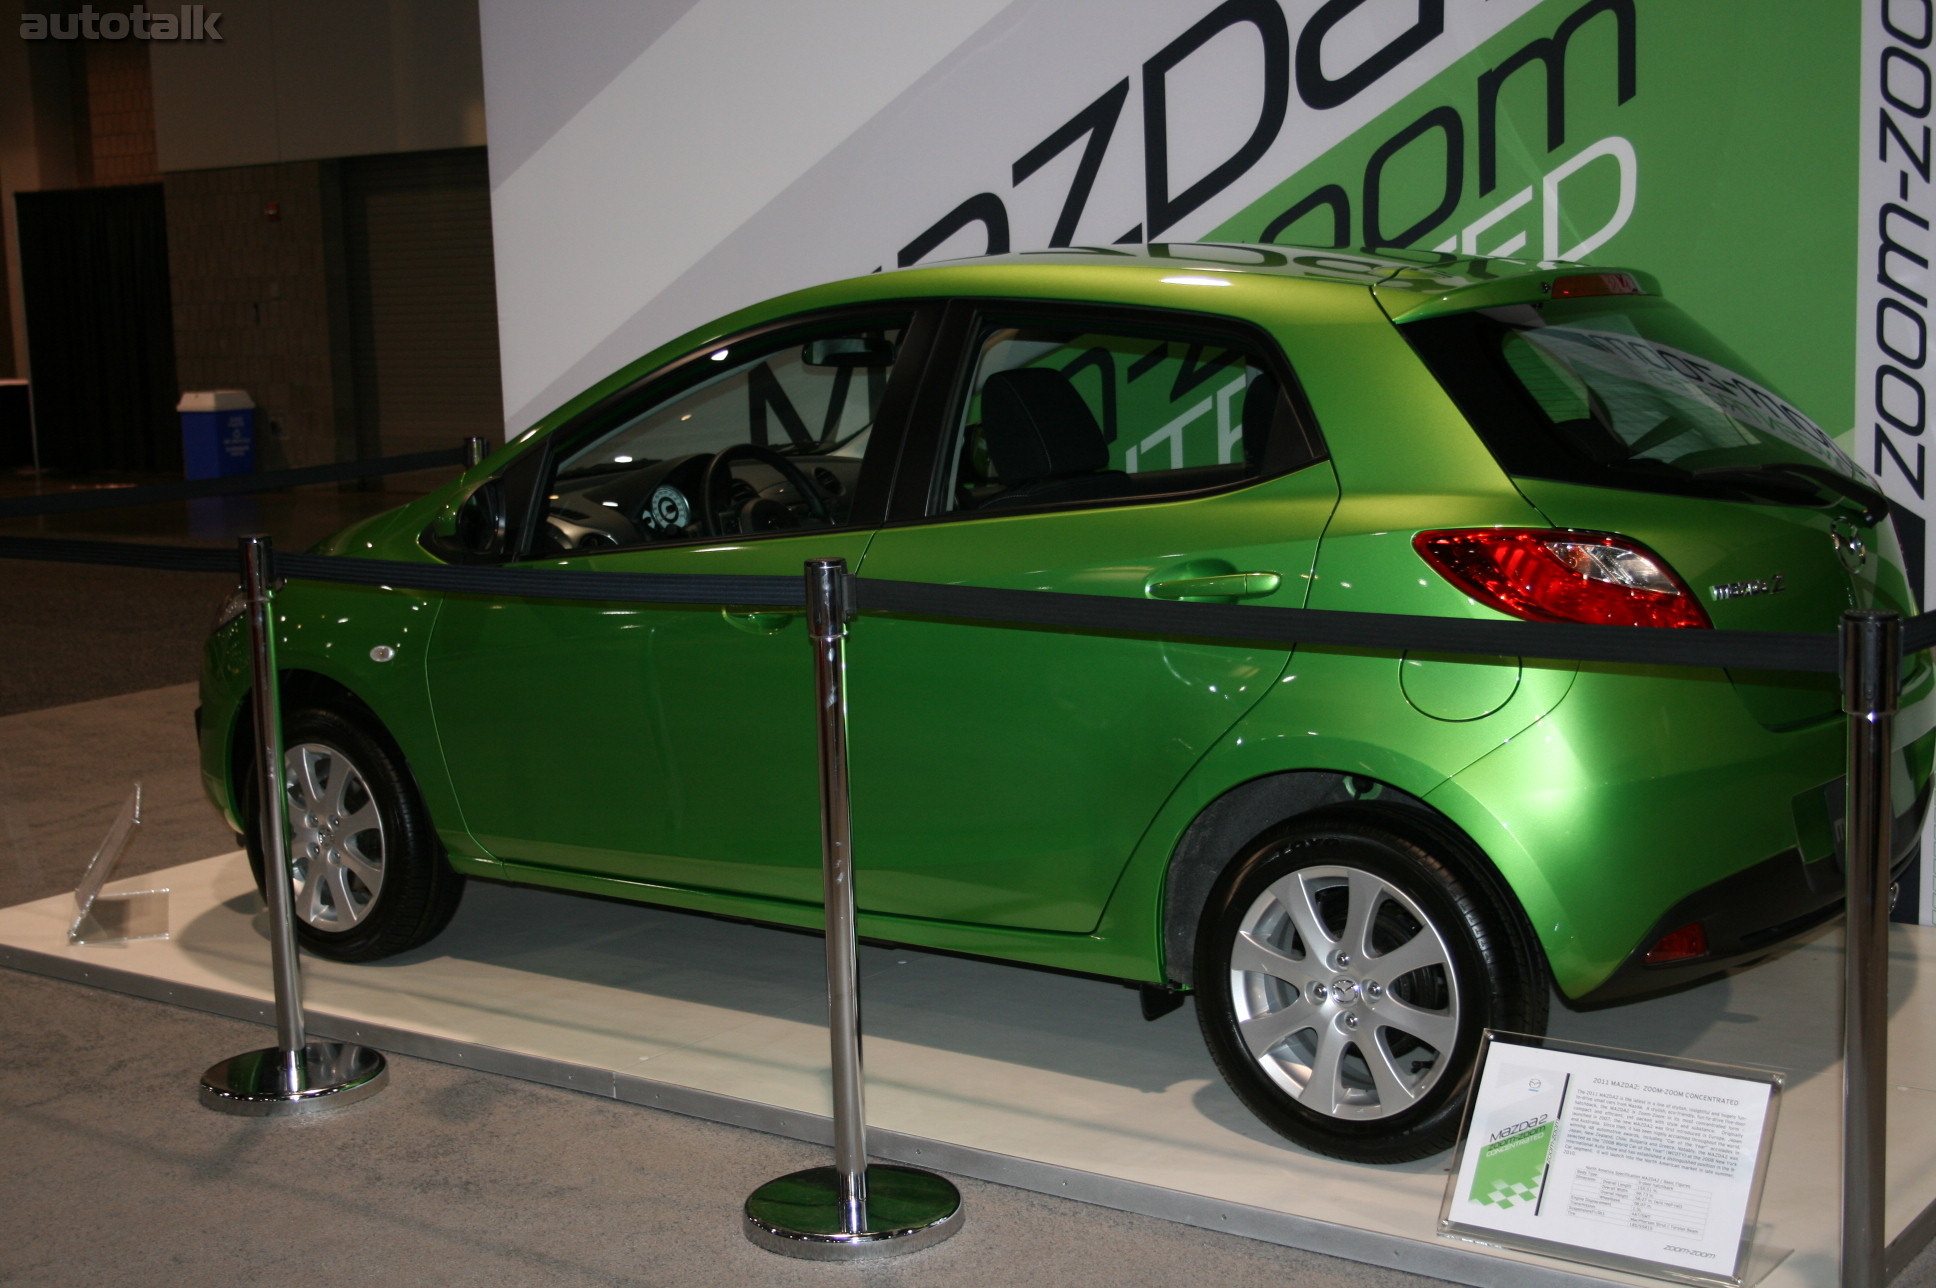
(675,744)
(1003,775)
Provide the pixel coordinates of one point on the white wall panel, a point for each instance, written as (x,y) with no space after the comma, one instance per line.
(543,62)
(755,147)
(703,131)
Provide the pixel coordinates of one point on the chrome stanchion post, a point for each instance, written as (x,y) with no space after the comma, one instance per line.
(1871,685)
(296,1075)
(475,450)
(850,1211)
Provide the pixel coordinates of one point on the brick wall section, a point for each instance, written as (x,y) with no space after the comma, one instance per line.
(260,302)
(120,113)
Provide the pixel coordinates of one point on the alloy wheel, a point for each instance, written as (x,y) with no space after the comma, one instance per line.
(1344,992)
(336,844)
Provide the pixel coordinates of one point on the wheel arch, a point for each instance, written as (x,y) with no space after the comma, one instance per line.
(416,889)
(298,686)
(1219,833)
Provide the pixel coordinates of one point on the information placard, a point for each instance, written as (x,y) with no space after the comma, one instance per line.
(1616,1158)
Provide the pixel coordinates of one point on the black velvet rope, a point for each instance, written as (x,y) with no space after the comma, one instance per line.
(1636,645)
(1919,633)
(116,498)
(125,554)
(544,583)
(1631,645)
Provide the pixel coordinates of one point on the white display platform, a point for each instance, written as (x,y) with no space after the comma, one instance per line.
(1043,1081)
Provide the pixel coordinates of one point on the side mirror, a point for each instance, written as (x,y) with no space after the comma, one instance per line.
(483,527)
(481,524)
(848,351)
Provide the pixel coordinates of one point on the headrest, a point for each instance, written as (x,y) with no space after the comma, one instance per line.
(1036,427)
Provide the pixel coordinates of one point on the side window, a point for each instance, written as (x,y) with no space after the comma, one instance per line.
(771,440)
(1064,415)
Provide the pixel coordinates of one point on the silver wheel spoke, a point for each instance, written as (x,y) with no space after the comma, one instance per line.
(364,820)
(309,899)
(1262,1032)
(330,803)
(1394,1090)
(1416,953)
(1366,893)
(1251,954)
(348,912)
(1294,893)
(1326,1087)
(304,771)
(1434,1029)
(370,874)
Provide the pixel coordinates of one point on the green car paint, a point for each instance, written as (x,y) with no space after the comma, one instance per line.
(1025,794)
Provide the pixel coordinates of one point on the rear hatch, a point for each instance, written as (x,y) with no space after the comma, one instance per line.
(1615,412)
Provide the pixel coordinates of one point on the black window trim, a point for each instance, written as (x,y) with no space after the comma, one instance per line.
(920,482)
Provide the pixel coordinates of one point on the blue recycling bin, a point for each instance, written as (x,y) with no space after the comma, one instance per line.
(218,433)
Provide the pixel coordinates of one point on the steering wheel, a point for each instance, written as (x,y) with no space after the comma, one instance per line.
(712,488)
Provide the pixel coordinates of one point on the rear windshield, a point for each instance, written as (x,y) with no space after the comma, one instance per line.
(1626,392)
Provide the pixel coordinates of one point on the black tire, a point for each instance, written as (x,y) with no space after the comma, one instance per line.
(385,884)
(1381,1071)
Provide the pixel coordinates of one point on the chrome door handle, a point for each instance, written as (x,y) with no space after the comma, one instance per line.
(1229,585)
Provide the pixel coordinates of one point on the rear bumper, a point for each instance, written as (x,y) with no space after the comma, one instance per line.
(1750,913)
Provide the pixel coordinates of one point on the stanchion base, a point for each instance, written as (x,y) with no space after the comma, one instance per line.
(334,1073)
(799,1215)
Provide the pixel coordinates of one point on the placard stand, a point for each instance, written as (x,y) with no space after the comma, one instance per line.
(850,1211)
(296,1075)
(1645,1163)
(124,915)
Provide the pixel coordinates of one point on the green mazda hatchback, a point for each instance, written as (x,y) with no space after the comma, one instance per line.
(1356,860)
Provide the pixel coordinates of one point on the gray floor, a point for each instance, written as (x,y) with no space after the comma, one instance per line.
(114,1175)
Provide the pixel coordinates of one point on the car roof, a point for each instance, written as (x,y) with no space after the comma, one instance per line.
(1408,284)
(1359,267)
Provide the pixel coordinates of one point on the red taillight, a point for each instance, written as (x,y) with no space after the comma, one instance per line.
(1681,945)
(1551,575)
(1579,285)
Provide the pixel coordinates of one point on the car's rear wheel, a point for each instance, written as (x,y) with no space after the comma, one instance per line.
(1346,967)
(369,876)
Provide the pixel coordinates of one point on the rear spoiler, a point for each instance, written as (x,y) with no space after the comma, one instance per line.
(1408,295)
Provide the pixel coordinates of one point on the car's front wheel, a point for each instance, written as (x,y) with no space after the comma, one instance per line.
(369,876)
(1346,967)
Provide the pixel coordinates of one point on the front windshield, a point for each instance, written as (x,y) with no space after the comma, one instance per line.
(1623,392)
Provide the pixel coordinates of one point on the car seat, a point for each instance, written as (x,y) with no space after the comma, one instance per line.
(1044,442)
